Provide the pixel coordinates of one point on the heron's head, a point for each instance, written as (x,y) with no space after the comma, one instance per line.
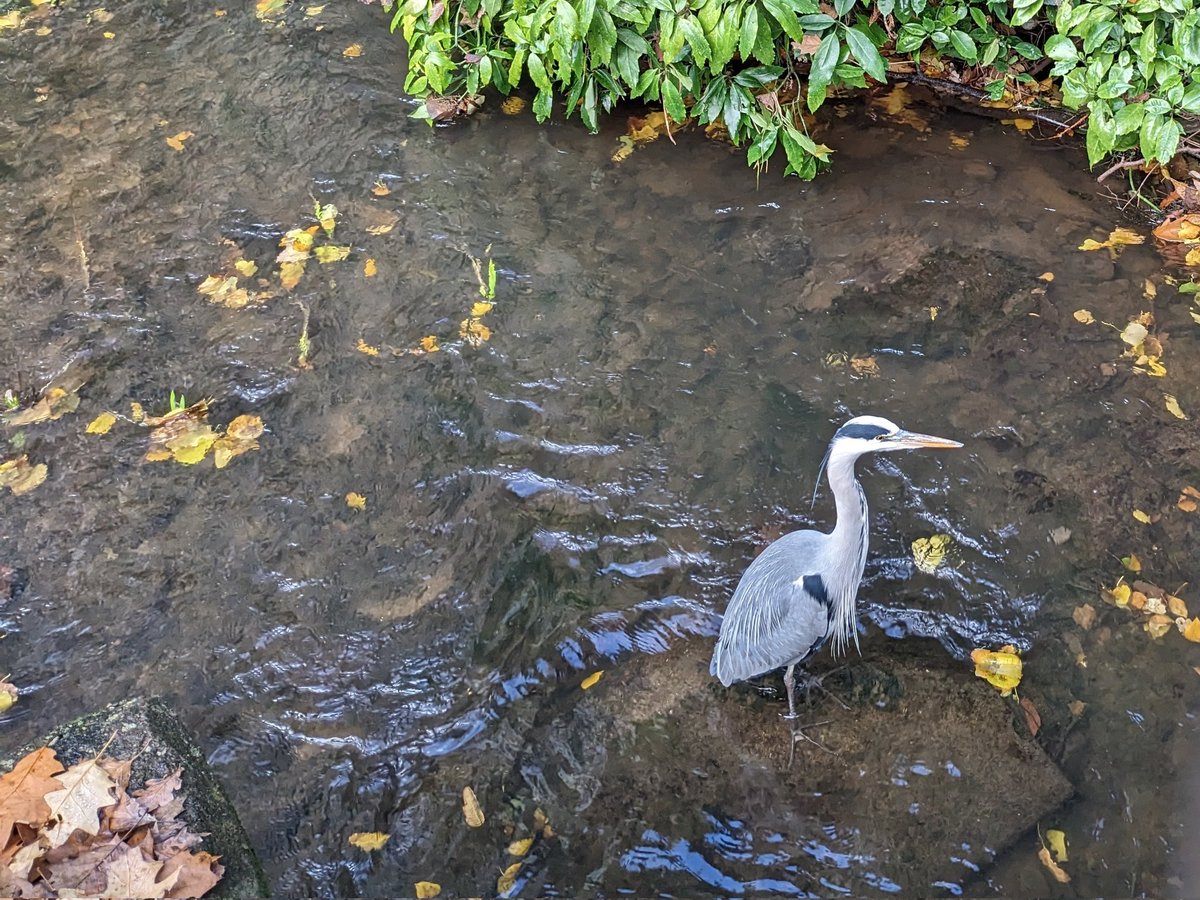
(872,434)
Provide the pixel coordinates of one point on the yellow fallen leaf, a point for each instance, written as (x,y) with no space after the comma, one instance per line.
(591,680)
(929,553)
(266,8)
(1173,407)
(959,141)
(474,332)
(370,270)
(521,847)
(328,253)
(326,215)
(369,840)
(864,366)
(108,36)
(290,274)
(43,30)
(429,344)
(1046,276)
(315,11)
(8,695)
(933,313)
(1121,594)
(20,477)
(245,267)
(379,189)
(1084,316)
(53,405)
(356,501)
(102,423)
(1158,625)
(11,19)
(1057,840)
(225,291)
(1134,334)
(481,308)
(1142,516)
(427,890)
(512,105)
(101,15)
(1132,563)
(508,878)
(175,142)
(1191,630)
(1176,606)
(382,229)
(1090,244)
(1055,869)
(1125,236)
(296,245)
(363,347)
(472,811)
(624,149)
(136,412)
(354,51)
(1000,668)
(1149,291)
(220,12)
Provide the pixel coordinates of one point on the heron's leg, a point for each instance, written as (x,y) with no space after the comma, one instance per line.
(789,682)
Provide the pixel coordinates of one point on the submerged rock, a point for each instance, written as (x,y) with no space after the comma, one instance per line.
(148,732)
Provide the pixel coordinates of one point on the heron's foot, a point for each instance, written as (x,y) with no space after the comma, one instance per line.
(811,682)
(798,735)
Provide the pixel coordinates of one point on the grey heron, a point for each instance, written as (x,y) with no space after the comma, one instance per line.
(800,591)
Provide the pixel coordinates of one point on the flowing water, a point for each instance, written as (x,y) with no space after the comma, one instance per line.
(668,359)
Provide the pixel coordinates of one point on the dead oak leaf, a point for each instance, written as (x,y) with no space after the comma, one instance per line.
(130,874)
(86,789)
(196,873)
(159,793)
(23,791)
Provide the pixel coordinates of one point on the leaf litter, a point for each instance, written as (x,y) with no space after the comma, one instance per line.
(81,832)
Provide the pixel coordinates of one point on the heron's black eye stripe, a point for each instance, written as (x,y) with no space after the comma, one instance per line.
(863,432)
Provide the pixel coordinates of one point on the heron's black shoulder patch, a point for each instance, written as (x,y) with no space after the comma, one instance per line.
(816,589)
(865,432)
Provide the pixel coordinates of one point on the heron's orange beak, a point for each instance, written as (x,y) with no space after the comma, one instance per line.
(909,440)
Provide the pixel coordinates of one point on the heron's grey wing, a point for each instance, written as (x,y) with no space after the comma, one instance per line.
(779,613)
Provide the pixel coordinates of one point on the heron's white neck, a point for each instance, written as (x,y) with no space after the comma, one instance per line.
(848,548)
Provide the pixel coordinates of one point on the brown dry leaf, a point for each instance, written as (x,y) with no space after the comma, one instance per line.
(508,878)
(1187,499)
(369,840)
(1032,717)
(1181,229)
(864,366)
(356,501)
(158,794)
(53,405)
(23,791)
(86,789)
(1055,869)
(20,477)
(427,890)
(101,424)
(1076,708)
(175,142)
(1084,616)
(1084,316)
(379,189)
(130,874)
(354,51)
(472,811)
(196,873)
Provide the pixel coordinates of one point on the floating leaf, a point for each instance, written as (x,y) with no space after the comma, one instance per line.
(959,141)
(356,501)
(427,890)
(1084,616)
(382,229)
(241,436)
(521,847)
(1191,630)
(591,680)
(328,253)
(474,332)
(1117,238)
(225,291)
(245,267)
(429,344)
(354,51)
(1084,316)
(326,215)
(20,477)
(296,245)
(508,878)
(369,840)
(1057,840)
(1000,668)
(512,105)
(370,270)
(290,273)
(481,308)
(1055,869)
(102,423)
(363,347)
(175,142)
(1173,406)
(1132,563)
(10,19)
(929,553)
(1142,516)
(53,405)
(8,695)
(896,105)
(472,811)
(864,366)
(379,189)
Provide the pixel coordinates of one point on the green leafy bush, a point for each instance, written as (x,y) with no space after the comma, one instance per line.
(756,66)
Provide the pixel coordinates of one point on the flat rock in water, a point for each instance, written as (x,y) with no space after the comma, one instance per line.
(657,780)
(148,732)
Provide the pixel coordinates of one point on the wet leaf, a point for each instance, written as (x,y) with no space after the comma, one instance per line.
(379,189)
(53,405)
(363,347)
(1191,630)
(959,141)
(1000,668)
(20,477)
(933,313)
(175,142)
(1055,869)
(10,19)
(1033,719)
(382,229)
(370,270)
(472,811)
(1117,238)
(427,890)
(246,268)
(354,51)
(1158,625)
(895,104)
(329,253)
(508,878)
(241,436)
(1076,708)
(86,788)
(102,423)
(1134,334)
(1046,276)
(481,308)
(512,105)
(266,8)
(1173,406)
(314,10)
(1084,616)
(591,680)
(1180,229)
(1084,316)
(296,245)
(136,412)
(1187,499)
(130,874)
(369,840)
(326,215)
(1142,516)
(429,344)
(1057,842)
(929,553)
(290,274)
(1060,535)
(1132,563)
(474,332)
(864,366)
(224,290)
(8,695)
(521,847)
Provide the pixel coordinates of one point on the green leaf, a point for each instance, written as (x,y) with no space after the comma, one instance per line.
(673,101)
(585,12)
(910,39)
(748,33)
(602,38)
(566,22)
(1061,48)
(841,7)
(783,14)
(724,42)
(1023,11)
(542,104)
(865,53)
(694,35)
(1101,136)
(1159,138)
(824,61)
(1129,118)
(588,111)
(537,72)
(627,64)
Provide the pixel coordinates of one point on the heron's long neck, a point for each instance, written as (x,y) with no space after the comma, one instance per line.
(848,547)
